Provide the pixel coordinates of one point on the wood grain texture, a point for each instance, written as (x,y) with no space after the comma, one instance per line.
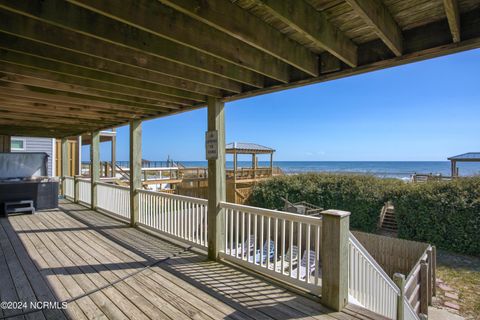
(74,250)
(377,16)
(453,16)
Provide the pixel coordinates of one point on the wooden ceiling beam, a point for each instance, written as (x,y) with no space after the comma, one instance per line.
(165,22)
(59,99)
(453,17)
(47,64)
(87,99)
(36,132)
(82,21)
(249,29)
(167,83)
(99,112)
(51,119)
(96,54)
(54,85)
(42,123)
(35,108)
(377,16)
(73,80)
(314,25)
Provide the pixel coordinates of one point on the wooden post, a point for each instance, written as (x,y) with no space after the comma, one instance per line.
(399,280)
(216,180)
(454,171)
(94,166)
(430,276)
(76,189)
(424,287)
(434,271)
(5,142)
(114,155)
(271,164)
(78,170)
(64,161)
(334,255)
(135,169)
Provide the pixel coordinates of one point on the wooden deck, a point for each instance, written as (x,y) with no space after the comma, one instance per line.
(75,252)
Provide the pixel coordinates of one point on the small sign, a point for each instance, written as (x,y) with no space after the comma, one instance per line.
(211,145)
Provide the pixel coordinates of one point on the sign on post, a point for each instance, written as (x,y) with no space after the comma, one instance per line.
(211,145)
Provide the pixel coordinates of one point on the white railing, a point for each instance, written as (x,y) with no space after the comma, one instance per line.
(114,199)
(180,217)
(282,245)
(408,312)
(84,191)
(368,284)
(69,185)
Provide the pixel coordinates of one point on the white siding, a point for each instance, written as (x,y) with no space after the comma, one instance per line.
(41,145)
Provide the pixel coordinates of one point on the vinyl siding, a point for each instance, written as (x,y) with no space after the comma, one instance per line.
(33,144)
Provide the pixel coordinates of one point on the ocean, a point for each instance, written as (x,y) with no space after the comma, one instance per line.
(384,169)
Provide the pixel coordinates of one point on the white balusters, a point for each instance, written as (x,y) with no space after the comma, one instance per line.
(280,244)
(69,185)
(368,284)
(184,218)
(114,199)
(85,191)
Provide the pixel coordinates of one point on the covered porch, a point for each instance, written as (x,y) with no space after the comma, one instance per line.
(81,66)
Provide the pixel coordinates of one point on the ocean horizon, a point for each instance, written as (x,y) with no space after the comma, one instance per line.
(385,169)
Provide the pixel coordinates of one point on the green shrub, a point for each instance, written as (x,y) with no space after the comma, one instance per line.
(446,214)
(363,196)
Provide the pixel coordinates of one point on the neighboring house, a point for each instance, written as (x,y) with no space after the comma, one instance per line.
(34,144)
(52,147)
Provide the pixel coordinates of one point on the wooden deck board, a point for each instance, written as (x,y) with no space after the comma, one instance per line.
(60,254)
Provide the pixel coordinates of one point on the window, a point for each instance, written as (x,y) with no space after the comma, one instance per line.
(17,144)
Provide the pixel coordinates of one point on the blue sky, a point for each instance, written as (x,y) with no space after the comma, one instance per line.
(423,111)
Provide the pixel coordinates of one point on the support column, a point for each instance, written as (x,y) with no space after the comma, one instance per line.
(453,164)
(78,171)
(114,156)
(5,142)
(216,180)
(94,166)
(64,162)
(76,189)
(399,280)
(135,169)
(271,164)
(334,255)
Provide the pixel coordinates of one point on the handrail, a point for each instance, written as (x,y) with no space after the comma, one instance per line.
(272,213)
(375,264)
(111,185)
(368,283)
(175,196)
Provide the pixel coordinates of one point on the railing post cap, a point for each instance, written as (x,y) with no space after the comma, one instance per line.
(336,213)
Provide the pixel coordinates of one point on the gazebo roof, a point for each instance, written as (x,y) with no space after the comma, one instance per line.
(250,148)
(469,156)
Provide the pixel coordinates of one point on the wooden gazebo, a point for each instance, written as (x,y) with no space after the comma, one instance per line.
(253,149)
(466,157)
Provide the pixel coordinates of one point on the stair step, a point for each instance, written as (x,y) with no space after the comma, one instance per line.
(389,224)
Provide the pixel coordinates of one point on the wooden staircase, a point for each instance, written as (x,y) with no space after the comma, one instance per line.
(388,220)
